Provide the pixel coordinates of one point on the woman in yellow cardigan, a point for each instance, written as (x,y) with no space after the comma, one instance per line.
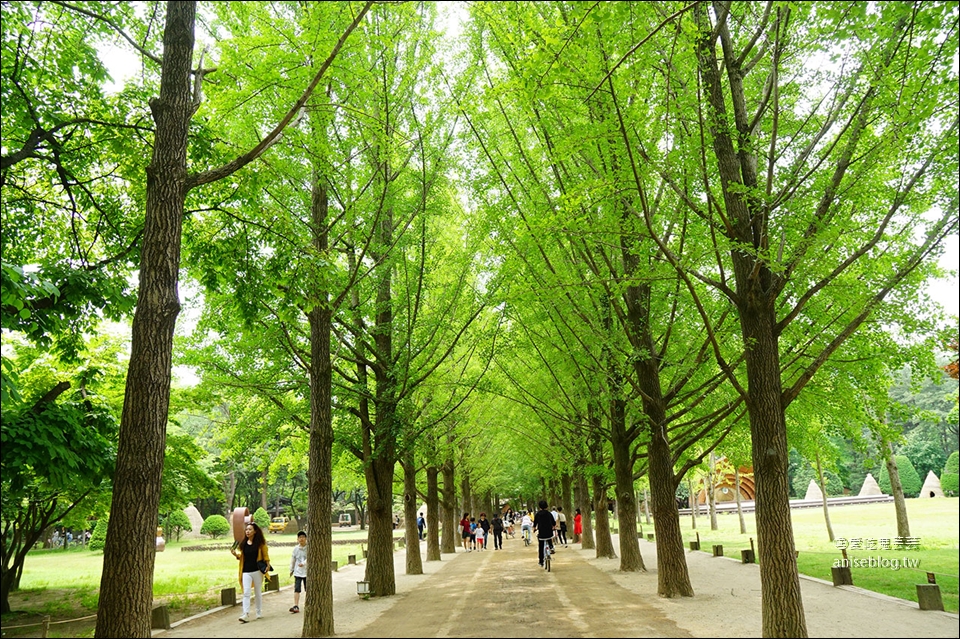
(251,552)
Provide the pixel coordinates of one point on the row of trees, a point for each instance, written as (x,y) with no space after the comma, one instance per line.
(592,244)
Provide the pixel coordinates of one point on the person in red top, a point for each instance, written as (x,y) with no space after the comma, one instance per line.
(465,531)
(577,526)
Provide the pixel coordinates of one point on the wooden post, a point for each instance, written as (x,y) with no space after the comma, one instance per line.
(333,566)
(160,617)
(45,628)
(841,575)
(747,556)
(718,550)
(650,537)
(272,582)
(929,597)
(228,597)
(352,559)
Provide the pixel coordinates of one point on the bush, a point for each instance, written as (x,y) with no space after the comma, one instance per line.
(951,475)
(177,522)
(262,519)
(99,536)
(908,477)
(216,526)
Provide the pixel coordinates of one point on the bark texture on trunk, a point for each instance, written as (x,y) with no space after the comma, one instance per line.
(673,576)
(711,488)
(755,298)
(823,495)
(318,607)
(433,513)
(380,572)
(604,540)
(411,533)
(896,487)
(448,506)
(630,557)
(126,587)
(581,497)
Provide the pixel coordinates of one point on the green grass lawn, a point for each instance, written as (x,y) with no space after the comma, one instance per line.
(175,571)
(932,521)
(186,581)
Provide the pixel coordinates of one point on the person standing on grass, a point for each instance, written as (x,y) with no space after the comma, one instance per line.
(298,569)
(252,553)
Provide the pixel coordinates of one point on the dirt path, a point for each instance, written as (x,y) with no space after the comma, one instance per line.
(482,591)
(473,594)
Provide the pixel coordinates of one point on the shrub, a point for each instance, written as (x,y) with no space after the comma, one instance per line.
(950,478)
(216,526)
(908,477)
(177,522)
(262,519)
(99,536)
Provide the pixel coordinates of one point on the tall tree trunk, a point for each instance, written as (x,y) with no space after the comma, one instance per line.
(412,534)
(604,540)
(380,572)
(711,487)
(566,488)
(896,487)
(823,495)
(694,504)
(673,577)
(781,602)
(646,506)
(264,477)
(630,557)
(126,585)
(466,494)
(318,609)
(229,490)
(448,505)
(587,541)
(433,513)
(736,481)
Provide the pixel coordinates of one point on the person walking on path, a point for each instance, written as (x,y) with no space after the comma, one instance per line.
(562,526)
(484,524)
(298,569)
(465,531)
(481,537)
(543,523)
(497,526)
(577,527)
(254,563)
(421,524)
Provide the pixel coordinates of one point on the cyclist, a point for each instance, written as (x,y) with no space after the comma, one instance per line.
(544,524)
(526,525)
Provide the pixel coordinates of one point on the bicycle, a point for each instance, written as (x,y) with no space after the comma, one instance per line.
(547,552)
(526,536)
